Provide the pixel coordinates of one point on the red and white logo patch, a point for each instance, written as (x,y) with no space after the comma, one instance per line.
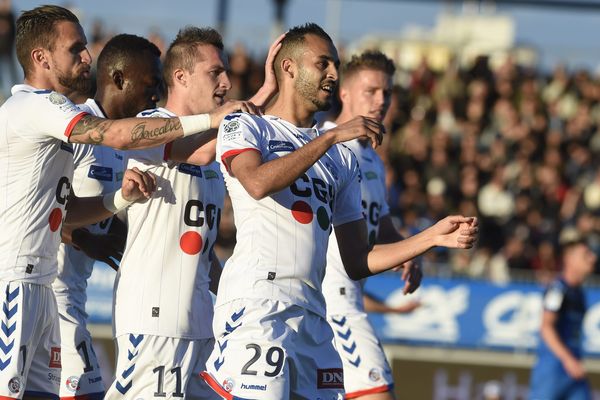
(55,357)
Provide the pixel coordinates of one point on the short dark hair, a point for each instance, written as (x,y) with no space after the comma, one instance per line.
(121,50)
(36,28)
(183,51)
(293,41)
(368,60)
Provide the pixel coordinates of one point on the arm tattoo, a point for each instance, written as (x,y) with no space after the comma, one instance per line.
(140,131)
(93,128)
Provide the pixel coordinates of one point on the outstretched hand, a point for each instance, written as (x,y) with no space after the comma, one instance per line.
(231,106)
(137,184)
(456,231)
(359,127)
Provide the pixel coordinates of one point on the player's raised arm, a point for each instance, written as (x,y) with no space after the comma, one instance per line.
(138,133)
(453,232)
(260,179)
(200,149)
(269,87)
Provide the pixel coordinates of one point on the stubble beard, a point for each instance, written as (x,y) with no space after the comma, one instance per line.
(310,91)
(76,83)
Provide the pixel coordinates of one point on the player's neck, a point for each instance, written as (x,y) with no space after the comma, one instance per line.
(572,278)
(178,105)
(43,83)
(292,109)
(344,116)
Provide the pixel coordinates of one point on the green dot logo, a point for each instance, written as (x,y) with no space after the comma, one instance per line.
(323,218)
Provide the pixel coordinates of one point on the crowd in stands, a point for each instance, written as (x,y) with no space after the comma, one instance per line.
(515,146)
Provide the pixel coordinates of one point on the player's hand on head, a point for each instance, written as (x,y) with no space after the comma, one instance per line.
(270,83)
(137,184)
(359,127)
(232,106)
(456,231)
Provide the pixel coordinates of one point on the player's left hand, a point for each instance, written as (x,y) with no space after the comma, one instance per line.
(412,276)
(106,248)
(270,83)
(137,184)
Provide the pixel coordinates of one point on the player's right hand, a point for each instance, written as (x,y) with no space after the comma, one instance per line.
(232,106)
(574,368)
(455,231)
(359,127)
(137,184)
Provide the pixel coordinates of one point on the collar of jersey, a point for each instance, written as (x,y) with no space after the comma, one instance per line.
(23,87)
(310,132)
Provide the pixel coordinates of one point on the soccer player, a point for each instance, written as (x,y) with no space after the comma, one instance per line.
(558,372)
(365,89)
(288,184)
(38,123)
(162,305)
(128,81)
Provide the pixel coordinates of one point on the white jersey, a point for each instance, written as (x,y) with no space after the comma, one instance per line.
(281,246)
(162,283)
(36,164)
(342,294)
(98,170)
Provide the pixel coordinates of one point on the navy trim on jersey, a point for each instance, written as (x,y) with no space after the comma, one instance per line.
(67,147)
(190,169)
(46,91)
(100,173)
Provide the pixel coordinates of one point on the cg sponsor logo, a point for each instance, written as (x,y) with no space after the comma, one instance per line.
(302,211)
(61,194)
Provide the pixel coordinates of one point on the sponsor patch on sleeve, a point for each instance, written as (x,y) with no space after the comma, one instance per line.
(232,130)
(280,145)
(100,173)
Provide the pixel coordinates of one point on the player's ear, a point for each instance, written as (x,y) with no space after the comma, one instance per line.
(39,57)
(344,93)
(180,77)
(288,66)
(118,79)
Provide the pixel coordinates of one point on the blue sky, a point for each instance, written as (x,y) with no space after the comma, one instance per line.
(561,35)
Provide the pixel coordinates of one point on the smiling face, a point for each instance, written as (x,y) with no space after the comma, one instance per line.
(367,92)
(208,83)
(69,60)
(317,73)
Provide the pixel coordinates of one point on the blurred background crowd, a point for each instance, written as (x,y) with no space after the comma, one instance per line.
(513,144)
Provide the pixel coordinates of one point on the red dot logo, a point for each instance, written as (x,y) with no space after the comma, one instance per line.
(55,219)
(191,243)
(302,212)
